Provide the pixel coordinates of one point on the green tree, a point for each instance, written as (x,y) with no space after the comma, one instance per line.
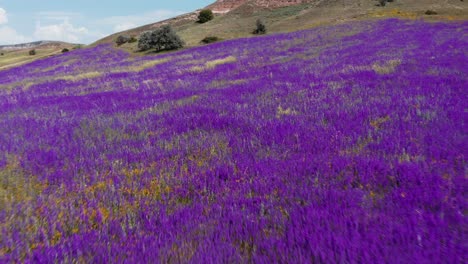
(205,16)
(164,38)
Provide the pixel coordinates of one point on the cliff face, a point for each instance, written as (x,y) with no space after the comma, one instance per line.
(224,6)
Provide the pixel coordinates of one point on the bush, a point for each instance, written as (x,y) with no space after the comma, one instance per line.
(261,28)
(65,50)
(2,54)
(132,40)
(382,2)
(210,39)
(205,16)
(32,52)
(122,40)
(430,12)
(146,41)
(160,39)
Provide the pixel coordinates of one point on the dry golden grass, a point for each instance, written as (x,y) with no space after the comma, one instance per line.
(86,75)
(224,83)
(280,111)
(394,13)
(212,64)
(387,67)
(148,64)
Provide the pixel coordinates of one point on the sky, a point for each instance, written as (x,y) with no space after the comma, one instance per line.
(82,21)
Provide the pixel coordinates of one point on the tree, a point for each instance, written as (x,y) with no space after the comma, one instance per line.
(261,28)
(160,39)
(145,41)
(65,50)
(32,52)
(205,16)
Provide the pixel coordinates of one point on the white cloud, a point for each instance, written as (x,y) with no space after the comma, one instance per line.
(9,36)
(3,16)
(64,31)
(121,23)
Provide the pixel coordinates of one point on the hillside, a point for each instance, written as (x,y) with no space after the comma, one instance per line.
(236,18)
(18,54)
(225,6)
(337,144)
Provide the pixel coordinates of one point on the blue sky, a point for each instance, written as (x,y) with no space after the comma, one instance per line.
(82,21)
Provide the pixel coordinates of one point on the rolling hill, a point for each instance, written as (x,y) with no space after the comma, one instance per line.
(337,144)
(236,18)
(338,138)
(18,54)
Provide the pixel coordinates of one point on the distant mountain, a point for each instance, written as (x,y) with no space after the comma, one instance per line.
(35,45)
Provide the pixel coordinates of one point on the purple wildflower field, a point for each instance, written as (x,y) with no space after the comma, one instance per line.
(339,144)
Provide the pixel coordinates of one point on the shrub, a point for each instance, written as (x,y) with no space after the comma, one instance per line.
(430,12)
(205,16)
(382,2)
(146,41)
(210,39)
(122,40)
(2,54)
(132,39)
(32,52)
(160,39)
(261,28)
(65,50)
(168,39)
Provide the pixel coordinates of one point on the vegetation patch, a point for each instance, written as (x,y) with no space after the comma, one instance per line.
(212,64)
(145,65)
(298,146)
(386,67)
(81,76)
(210,39)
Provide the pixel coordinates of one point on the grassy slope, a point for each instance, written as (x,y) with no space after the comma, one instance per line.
(15,58)
(240,22)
